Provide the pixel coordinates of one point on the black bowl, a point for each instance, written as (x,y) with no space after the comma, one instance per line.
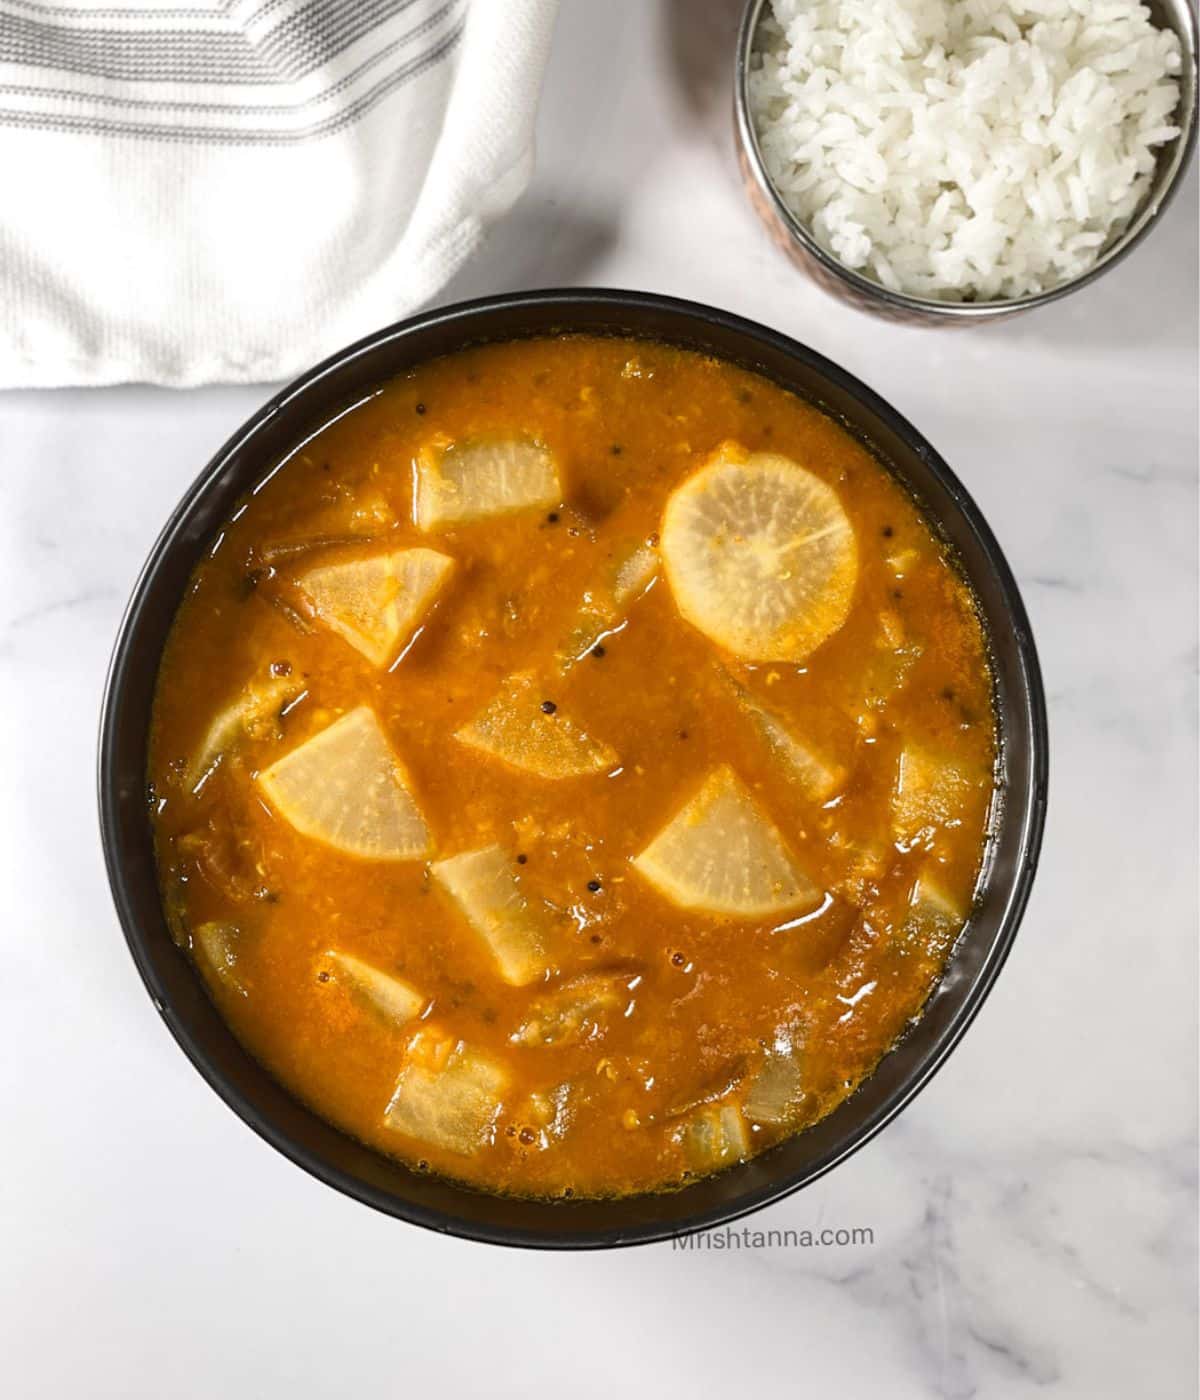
(250,1091)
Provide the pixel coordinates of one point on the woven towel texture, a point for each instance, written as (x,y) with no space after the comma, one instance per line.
(228,191)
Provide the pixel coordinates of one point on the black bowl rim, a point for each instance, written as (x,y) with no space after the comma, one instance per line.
(569,300)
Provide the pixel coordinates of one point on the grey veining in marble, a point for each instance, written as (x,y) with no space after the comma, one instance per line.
(1034,1212)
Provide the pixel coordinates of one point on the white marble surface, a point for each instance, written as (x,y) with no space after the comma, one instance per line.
(1034,1213)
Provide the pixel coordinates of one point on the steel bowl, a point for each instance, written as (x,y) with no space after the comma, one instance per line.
(798,243)
(177,991)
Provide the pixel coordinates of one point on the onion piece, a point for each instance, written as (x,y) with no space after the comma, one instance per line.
(254,713)
(625,576)
(775,1091)
(933,920)
(216,942)
(395,1000)
(578,1010)
(716,1137)
(930,792)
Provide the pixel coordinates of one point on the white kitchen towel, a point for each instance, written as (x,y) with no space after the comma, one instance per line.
(228,190)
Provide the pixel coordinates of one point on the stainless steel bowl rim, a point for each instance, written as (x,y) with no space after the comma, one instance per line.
(907,304)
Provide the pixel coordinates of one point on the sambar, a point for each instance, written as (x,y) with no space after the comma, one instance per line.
(571,769)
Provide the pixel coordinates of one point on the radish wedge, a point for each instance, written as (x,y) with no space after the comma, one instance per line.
(346,787)
(516,728)
(485,889)
(934,918)
(376,604)
(625,576)
(447,1094)
(721,854)
(813,775)
(457,483)
(216,943)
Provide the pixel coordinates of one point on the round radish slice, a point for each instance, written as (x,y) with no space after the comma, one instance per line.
(760,556)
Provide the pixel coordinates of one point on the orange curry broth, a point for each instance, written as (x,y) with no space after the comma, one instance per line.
(627,421)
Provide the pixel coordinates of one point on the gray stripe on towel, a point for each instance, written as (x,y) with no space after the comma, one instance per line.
(244,136)
(300,42)
(151,104)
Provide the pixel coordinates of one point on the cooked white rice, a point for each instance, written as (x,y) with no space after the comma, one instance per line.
(963,149)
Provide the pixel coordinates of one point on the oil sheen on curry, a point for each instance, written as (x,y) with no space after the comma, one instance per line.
(571,769)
